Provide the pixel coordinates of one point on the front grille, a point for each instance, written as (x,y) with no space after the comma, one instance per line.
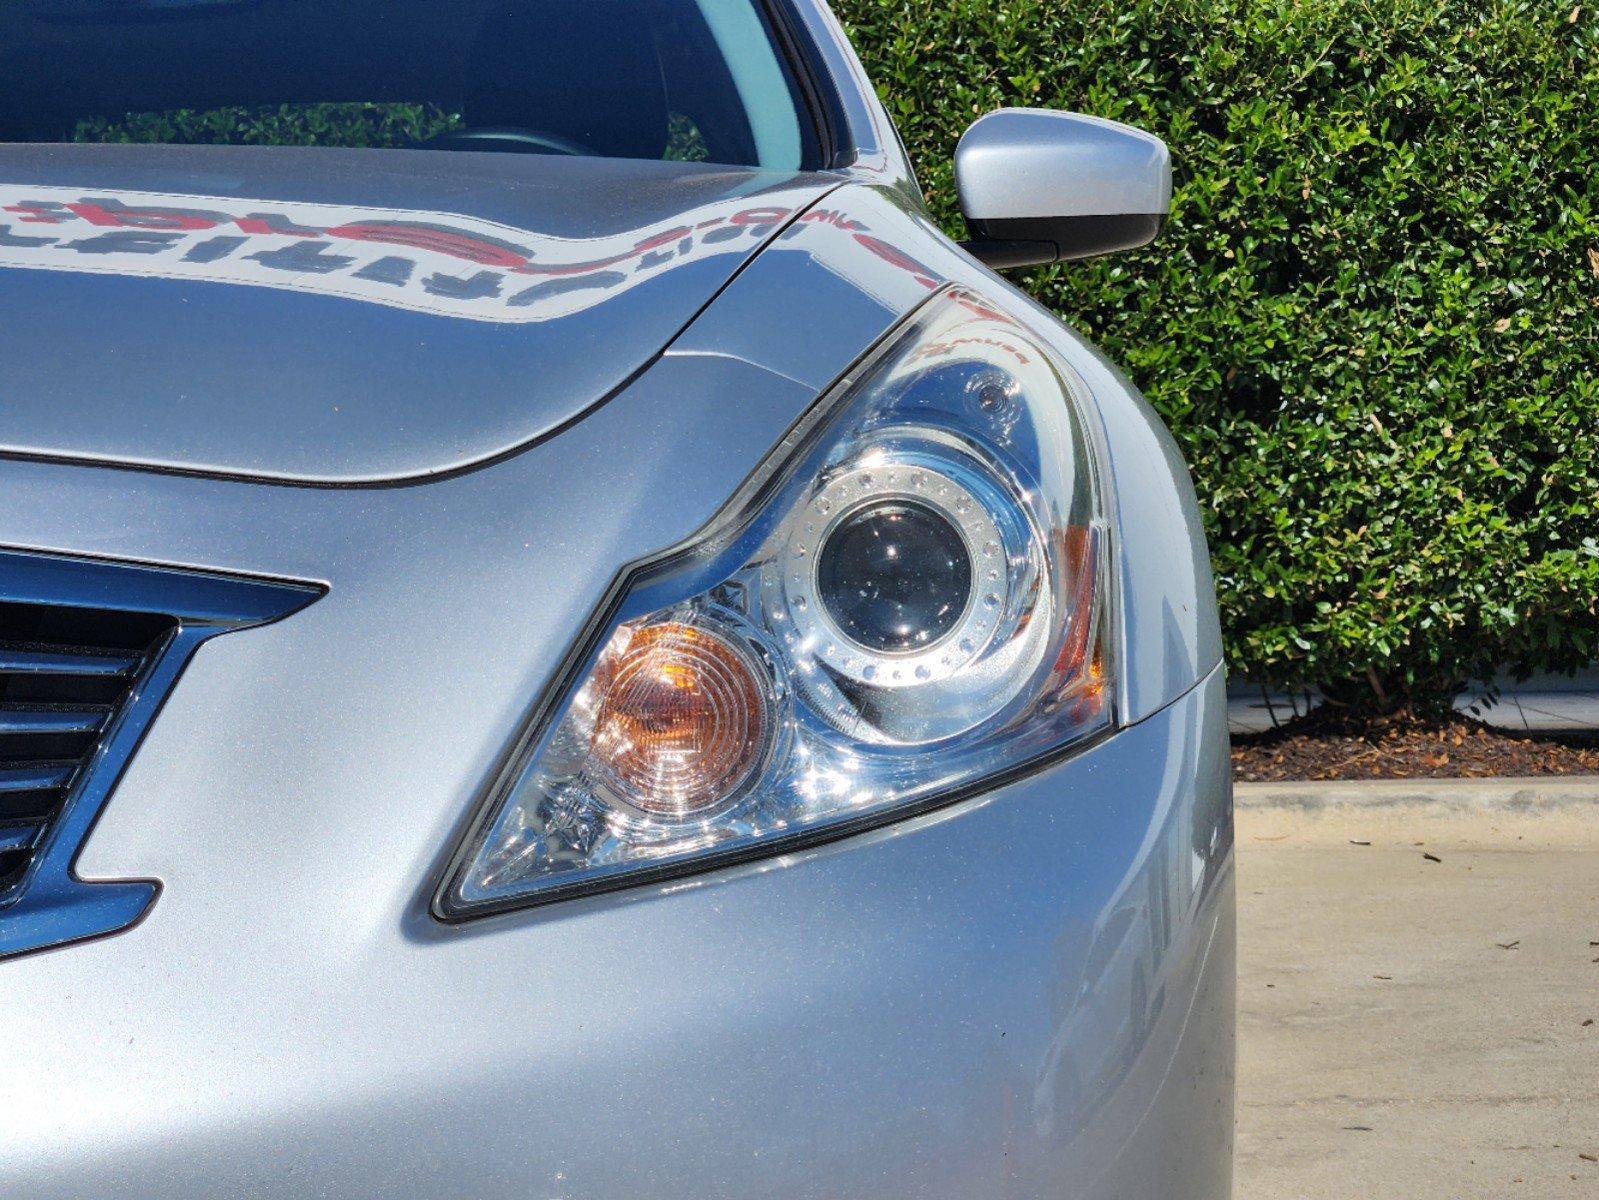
(65,675)
(89,650)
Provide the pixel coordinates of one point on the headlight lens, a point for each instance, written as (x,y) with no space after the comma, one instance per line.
(907,601)
(894,576)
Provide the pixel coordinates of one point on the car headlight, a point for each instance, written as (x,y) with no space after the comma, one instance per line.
(907,601)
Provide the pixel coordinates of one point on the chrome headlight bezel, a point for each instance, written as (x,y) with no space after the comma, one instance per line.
(928,465)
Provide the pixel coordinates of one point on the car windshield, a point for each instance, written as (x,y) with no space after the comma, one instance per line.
(689,80)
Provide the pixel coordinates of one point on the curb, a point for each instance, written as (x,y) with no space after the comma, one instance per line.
(1528,797)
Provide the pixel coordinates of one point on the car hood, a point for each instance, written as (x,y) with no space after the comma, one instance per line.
(338,317)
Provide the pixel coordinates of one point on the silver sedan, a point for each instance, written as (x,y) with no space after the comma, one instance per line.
(558,639)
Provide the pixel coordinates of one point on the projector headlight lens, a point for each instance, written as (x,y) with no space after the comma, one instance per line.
(914,604)
(894,576)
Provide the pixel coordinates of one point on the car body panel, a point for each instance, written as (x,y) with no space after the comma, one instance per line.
(1024,993)
(346,316)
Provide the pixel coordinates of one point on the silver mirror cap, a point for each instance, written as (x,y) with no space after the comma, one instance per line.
(1041,186)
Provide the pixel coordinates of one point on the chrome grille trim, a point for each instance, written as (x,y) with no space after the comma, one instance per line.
(40,777)
(21,661)
(16,721)
(14,839)
(89,651)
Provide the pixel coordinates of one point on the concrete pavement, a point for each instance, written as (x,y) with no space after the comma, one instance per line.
(1416,1029)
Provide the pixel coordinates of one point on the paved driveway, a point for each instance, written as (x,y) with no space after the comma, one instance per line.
(1415,1029)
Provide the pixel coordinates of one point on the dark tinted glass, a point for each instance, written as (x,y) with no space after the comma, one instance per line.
(895,577)
(652,79)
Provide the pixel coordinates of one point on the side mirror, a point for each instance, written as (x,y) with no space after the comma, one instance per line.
(1040,187)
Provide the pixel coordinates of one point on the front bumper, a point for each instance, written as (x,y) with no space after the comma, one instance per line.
(1028,994)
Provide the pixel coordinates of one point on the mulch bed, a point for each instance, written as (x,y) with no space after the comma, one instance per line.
(1332,745)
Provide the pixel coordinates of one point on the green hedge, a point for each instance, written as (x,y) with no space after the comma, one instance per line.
(1373,321)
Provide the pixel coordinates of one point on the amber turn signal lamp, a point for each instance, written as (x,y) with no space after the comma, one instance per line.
(682,718)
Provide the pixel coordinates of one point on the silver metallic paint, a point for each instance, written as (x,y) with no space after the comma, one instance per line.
(1026,994)
(317,378)
(1021,163)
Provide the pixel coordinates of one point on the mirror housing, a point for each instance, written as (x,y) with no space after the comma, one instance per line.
(1038,186)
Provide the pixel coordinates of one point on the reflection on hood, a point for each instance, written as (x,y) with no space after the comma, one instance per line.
(438,263)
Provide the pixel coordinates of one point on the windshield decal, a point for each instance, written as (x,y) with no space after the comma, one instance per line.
(435,263)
